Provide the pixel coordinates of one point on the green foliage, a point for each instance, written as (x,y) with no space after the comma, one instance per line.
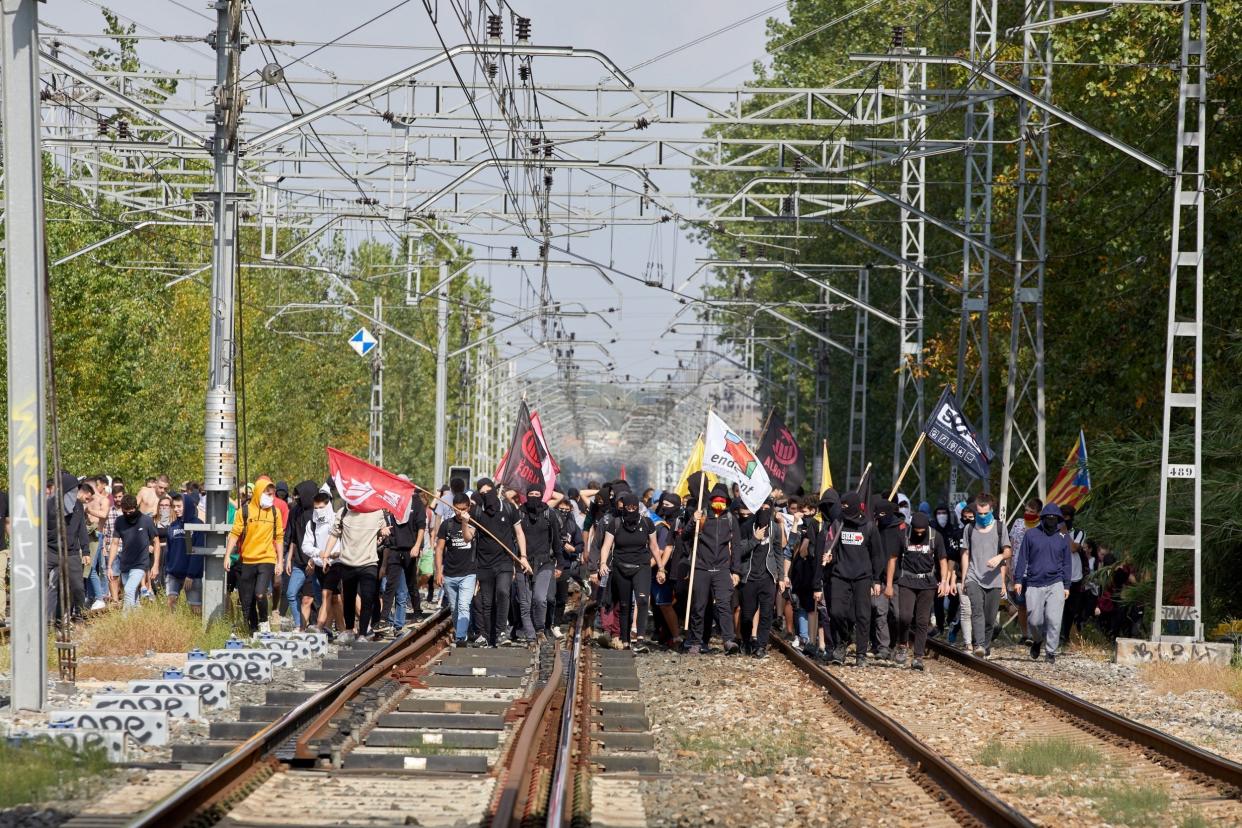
(1039,757)
(36,772)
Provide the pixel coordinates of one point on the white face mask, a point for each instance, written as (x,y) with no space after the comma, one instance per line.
(266,500)
(323,513)
(942,520)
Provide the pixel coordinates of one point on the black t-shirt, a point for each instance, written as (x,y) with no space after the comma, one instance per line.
(764,549)
(490,555)
(631,546)
(541,534)
(458,555)
(405,534)
(918,564)
(136,538)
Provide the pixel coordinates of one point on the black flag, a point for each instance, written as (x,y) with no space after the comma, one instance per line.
(781,457)
(949,429)
(522,466)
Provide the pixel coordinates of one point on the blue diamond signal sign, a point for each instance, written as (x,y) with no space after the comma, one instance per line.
(362,342)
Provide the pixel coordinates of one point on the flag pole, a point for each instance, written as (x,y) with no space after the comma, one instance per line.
(694,548)
(477,525)
(909,462)
(862,478)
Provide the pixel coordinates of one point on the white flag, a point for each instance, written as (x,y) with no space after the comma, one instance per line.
(725,454)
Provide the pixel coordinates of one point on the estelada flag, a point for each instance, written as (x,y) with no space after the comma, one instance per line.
(694,464)
(726,454)
(522,467)
(368,488)
(1073,484)
(952,433)
(780,455)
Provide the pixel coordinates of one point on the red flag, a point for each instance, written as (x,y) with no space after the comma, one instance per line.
(550,468)
(622,471)
(522,468)
(368,488)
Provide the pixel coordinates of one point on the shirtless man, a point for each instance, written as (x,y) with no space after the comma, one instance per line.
(150,494)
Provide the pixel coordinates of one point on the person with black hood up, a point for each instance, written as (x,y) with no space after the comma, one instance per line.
(922,559)
(399,566)
(500,531)
(800,572)
(663,595)
(855,570)
(944,525)
(542,528)
(826,523)
(888,524)
(1042,573)
(761,572)
(77,543)
(633,538)
(605,512)
(301,577)
(716,569)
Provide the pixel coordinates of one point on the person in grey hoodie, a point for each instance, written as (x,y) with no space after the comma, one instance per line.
(1042,573)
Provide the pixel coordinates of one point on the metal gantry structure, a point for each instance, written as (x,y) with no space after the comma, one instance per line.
(526,160)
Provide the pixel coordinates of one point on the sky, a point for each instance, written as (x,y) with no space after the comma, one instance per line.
(630,33)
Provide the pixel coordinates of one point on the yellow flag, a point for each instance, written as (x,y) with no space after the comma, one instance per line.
(825,474)
(694,464)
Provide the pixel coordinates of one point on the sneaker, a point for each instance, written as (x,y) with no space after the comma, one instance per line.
(479,641)
(381,626)
(1050,658)
(900,657)
(377,636)
(346,638)
(883,654)
(1034,651)
(503,640)
(98,605)
(917,664)
(265,626)
(860,660)
(639,646)
(557,634)
(615,643)
(838,656)
(760,653)
(978,651)
(987,653)
(731,648)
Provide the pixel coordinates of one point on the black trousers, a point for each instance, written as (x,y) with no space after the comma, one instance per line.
(717,585)
(758,595)
(359,582)
(253,583)
(631,594)
(493,595)
(396,566)
(914,609)
(849,602)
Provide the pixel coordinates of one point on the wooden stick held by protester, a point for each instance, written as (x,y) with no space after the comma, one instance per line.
(482,529)
(694,549)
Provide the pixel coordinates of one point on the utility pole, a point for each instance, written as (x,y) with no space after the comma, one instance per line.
(858,388)
(376,450)
(441,375)
(220,461)
(26,303)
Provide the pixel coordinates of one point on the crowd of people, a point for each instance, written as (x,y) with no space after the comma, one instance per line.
(826,571)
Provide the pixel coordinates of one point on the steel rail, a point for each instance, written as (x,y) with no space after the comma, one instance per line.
(207,787)
(980,804)
(562,779)
(1217,768)
(523,764)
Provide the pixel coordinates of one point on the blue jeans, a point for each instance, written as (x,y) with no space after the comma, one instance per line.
(458,591)
(95,588)
(133,583)
(802,621)
(294,582)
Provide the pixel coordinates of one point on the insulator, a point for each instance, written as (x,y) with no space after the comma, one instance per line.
(642,123)
(513,252)
(495,26)
(523,29)
(547,149)
(103,127)
(547,180)
(122,129)
(492,70)
(899,37)
(524,72)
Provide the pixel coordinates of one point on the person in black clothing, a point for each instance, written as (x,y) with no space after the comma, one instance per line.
(568,562)
(922,576)
(892,533)
(800,577)
(634,539)
(500,531)
(400,566)
(715,570)
(455,567)
(663,593)
(854,572)
(761,571)
(542,528)
(301,577)
(944,525)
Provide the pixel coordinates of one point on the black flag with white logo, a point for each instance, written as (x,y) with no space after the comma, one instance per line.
(949,429)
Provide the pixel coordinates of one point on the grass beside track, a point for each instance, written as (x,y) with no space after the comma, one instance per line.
(1039,757)
(35,772)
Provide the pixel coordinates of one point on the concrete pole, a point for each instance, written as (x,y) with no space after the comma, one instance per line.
(26,348)
(441,469)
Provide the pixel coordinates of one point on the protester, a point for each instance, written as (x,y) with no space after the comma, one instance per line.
(716,570)
(854,569)
(760,572)
(663,594)
(889,528)
(401,553)
(633,538)
(327,572)
(985,547)
(455,564)
(301,575)
(134,541)
(257,531)
(183,570)
(1042,573)
(500,541)
(568,560)
(353,545)
(920,584)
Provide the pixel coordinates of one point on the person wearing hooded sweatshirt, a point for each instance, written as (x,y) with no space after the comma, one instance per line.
(633,540)
(944,525)
(301,577)
(257,529)
(855,570)
(716,570)
(921,556)
(887,520)
(761,571)
(607,513)
(184,570)
(542,528)
(667,514)
(1042,574)
(500,536)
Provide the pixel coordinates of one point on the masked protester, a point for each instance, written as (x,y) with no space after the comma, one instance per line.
(500,538)
(633,538)
(966,517)
(1080,568)
(761,572)
(944,525)
(985,549)
(258,529)
(921,556)
(668,518)
(855,570)
(606,511)
(715,570)
(568,560)
(887,519)
(542,528)
(1042,573)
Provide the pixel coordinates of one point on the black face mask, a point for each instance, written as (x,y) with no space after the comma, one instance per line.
(535,507)
(491,503)
(666,511)
(132,517)
(1049,523)
(918,535)
(967,519)
(764,518)
(630,519)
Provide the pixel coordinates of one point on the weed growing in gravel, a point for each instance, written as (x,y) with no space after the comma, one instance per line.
(39,772)
(151,626)
(1194,820)
(1121,804)
(1039,757)
(757,754)
(1183,678)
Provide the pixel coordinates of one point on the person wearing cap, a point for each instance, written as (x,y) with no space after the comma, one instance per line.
(853,569)
(716,570)
(921,556)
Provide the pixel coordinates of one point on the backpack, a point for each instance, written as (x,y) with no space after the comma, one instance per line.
(245,513)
